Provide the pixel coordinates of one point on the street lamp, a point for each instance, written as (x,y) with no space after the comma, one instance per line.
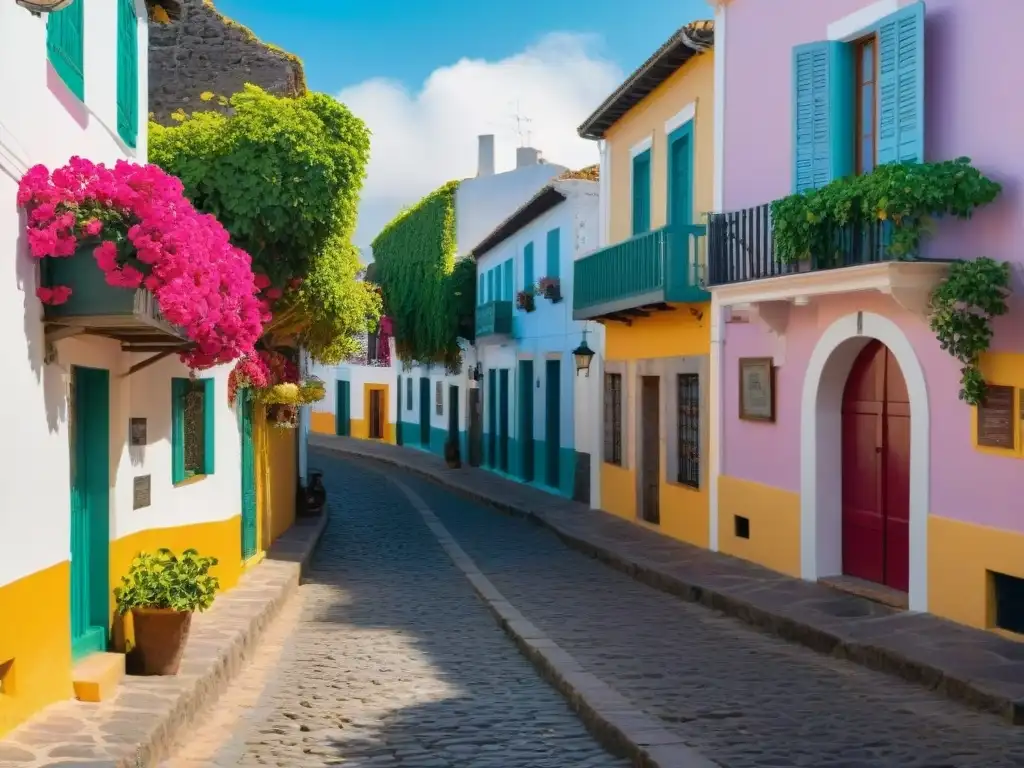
(44,6)
(583,355)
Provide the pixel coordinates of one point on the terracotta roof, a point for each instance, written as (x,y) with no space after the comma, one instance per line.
(688,41)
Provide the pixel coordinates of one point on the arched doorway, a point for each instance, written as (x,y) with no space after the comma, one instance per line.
(876,469)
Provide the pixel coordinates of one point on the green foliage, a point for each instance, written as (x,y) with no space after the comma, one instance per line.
(163,580)
(962,308)
(283,175)
(429,296)
(909,195)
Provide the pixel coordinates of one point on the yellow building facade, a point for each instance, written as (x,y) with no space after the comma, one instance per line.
(646,287)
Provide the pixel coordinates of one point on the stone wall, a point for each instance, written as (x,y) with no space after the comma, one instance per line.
(205,52)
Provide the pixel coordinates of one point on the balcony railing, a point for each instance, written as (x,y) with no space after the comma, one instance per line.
(494,318)
(659,267)
(741,247)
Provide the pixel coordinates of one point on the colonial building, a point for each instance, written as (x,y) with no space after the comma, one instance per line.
(646,286)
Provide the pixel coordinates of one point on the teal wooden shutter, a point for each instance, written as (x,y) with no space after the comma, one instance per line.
(209,409)
(127,71)
(179,391)
(528,277)
(823,129)
(65,46)
(554,254)
(901,86)
(642,192)
(491,296)
(506,281)
(481,297)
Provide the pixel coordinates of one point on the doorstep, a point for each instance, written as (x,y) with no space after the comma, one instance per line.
(138,725)
(978,668)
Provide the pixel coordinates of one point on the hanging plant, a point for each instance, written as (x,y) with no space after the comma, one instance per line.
(526,301)
(550,288)
(135,222)
(962,308)
(262,372)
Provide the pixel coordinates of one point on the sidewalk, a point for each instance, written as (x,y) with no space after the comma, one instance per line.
(139,725)
(974,667)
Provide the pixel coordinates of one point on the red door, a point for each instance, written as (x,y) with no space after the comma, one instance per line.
(876,470)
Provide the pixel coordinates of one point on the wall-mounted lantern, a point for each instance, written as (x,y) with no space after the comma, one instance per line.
(44,6)
(583,355)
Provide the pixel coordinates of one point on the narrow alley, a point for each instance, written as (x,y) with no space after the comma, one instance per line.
(395,662)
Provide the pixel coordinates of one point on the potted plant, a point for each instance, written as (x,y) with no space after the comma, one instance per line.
(550,288)
(451,454)
(525,300)
(161,592)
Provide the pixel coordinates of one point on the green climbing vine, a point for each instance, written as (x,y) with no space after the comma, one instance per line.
(428,293)
(962,307)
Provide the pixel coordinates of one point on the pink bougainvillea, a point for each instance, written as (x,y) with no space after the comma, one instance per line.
(145,233)
(259,370)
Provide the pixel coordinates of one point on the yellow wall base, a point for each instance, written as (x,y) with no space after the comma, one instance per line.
(774,517)
(684,512)
(96,677)
(322,423)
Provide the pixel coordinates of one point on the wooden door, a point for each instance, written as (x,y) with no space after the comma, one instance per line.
(476,427)
(526,419)
(398,413)
(680,189)
(249,524)
(552,420)
(90,510)
(876,470)
(492,418)
(503,397)
(376,414)
(453,413)
(650,449)
(425,411)
(343,408)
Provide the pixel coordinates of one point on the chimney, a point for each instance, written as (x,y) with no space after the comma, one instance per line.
(527,156)
(485,155)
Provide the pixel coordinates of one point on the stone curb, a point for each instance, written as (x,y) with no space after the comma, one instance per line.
(138,728)
(615,722)
(873,655)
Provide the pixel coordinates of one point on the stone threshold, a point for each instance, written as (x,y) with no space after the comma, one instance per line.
(977,668)
(137,727)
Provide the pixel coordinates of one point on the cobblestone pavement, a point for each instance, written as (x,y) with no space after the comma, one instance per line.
(742,698)
(396,663)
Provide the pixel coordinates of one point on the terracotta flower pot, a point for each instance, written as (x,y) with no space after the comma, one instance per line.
(160,636)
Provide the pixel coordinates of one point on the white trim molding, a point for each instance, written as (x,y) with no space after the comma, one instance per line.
(852,26)
(715,405)
(718,108)
(681,118)
(641,146)
(821,471)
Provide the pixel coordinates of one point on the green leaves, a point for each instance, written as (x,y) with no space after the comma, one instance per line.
(962,308)
(163,580)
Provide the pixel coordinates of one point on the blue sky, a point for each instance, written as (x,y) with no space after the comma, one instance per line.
(343,43)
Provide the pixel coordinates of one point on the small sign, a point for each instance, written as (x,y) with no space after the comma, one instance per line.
(137,430)
(757,388)
(995,418)
(141,492)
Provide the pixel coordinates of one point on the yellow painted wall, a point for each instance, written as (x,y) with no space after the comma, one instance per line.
(322,423)
(664,334)
(774,516)
(1004,369)
(691,83)
(276,477)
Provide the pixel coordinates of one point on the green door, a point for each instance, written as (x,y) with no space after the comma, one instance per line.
(526,418)
(90,510)
(424,411)
(680,168)
(503,419)
(553,413)
(245,406)
(343,408)
(398,407)
(492,418)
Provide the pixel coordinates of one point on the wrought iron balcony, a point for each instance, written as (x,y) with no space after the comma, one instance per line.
(493,320)
(650,270)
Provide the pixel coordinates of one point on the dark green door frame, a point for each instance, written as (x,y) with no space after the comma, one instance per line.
(343,408)
(425,411)
(492,418)
(503,397)
(553,416)
(249,525)
(526,419)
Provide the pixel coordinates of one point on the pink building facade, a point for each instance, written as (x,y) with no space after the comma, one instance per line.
(842,451)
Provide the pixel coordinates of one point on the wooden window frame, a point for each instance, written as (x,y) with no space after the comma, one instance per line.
(612,448)
(439,398)
(858,104)
(688,426)
(180,389)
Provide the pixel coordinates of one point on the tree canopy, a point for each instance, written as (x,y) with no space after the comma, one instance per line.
(283,175)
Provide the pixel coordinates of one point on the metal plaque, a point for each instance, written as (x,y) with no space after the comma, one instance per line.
(141,492)
(137,431)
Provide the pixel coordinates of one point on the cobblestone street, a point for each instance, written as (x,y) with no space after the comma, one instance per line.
(396,662)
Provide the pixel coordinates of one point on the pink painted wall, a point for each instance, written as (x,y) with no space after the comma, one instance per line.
(973,108)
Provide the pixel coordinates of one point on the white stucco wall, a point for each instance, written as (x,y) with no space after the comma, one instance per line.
(41,122)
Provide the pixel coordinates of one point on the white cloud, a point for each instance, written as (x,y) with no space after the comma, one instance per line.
(424,139)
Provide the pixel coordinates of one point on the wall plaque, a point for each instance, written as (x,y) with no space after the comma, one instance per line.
(141,492)
(995,418)
(757,389)
(137,431)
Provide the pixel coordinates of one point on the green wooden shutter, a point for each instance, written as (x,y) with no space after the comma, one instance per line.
(209,421)
(901,86)
(823,122)
(65,46)
(127,72)
(481,296)
(528,277)
(506,281)
(179,391)
(554,254)
(642,192)
(491,296)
